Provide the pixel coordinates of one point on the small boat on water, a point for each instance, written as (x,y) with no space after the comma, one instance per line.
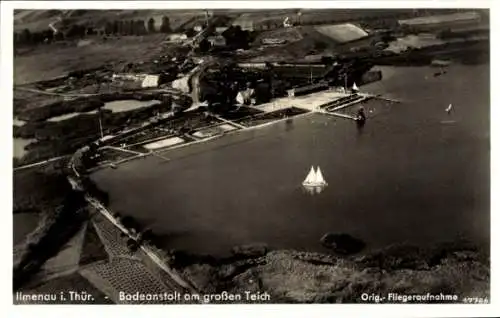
(314,178)
(449,108)
(355,88)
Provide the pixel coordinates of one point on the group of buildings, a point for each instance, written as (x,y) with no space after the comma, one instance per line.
(350,38)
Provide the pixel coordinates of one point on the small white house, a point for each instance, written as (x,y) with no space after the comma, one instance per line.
(217,41)
(150,81)
(245,97)
(177,37)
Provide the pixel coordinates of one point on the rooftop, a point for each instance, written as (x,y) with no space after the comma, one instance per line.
(342,33)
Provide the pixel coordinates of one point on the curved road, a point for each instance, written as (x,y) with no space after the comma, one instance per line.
(37,91)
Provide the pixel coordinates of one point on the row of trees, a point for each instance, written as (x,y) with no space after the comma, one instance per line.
(78,31)
(26,37)
(119,27)
(237,38)
(137,27)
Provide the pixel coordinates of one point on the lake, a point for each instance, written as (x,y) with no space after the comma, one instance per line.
(18,122)
(19,144)
(413,174)
(24,224)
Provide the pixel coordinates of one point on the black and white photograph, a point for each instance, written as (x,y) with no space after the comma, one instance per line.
(247,155)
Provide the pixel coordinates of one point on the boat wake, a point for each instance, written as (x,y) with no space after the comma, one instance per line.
(448,122)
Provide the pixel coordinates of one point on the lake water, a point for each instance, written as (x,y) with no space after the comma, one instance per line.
(19,144)
(115,106)
(127,105)
(18,122)
(24,223)
(414,174)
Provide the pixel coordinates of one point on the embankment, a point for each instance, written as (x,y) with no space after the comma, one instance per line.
(52,233)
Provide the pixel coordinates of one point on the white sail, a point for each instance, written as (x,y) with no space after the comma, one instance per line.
(311,177)
(314,178)
(319,177)
(355,87)
(449,108)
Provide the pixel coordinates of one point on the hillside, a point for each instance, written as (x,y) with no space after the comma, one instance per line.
(299,277)
(37,20)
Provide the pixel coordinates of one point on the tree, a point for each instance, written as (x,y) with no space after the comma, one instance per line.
(165,25)
(125,28)
(132,245)
(91,30)
(115,28)
(320,45)
(133,27)
(151,26)
(140,27)
(119,27)
(48,35)
(190,32)
(37,37)
(26,36)
(73,31)
(204,45)
(58,36)
(327,60)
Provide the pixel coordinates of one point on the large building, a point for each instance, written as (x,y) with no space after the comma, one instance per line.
(342,33)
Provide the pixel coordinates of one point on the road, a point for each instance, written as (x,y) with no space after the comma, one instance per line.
(228,121)
(37,91)
(152,90)
(40,163)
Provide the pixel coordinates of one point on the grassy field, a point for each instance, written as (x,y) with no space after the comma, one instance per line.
(287,34)
(319,16)
(49,61)
(310,42)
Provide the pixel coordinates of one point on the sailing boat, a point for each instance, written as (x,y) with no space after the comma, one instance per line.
(314,179)
(448,109)
(355,87)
